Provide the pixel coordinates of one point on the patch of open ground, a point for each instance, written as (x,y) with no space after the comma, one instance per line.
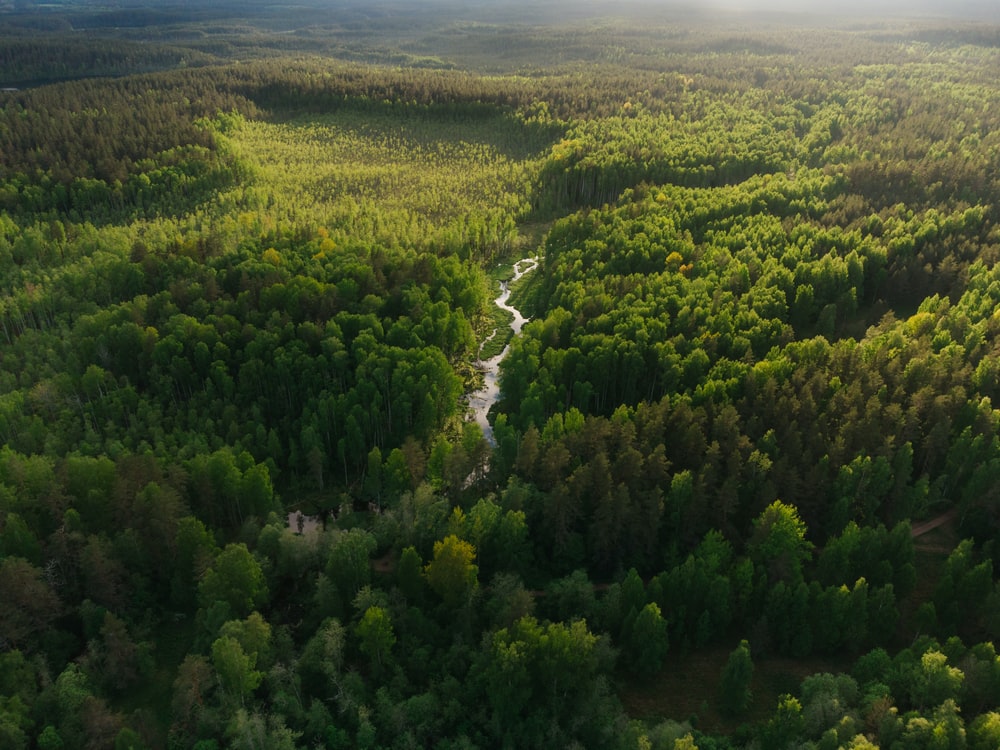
(687,687)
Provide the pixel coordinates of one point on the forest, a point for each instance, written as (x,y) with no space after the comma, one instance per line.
(742,487)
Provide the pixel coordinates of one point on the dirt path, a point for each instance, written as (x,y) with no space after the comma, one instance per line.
(922,528)
(384,564)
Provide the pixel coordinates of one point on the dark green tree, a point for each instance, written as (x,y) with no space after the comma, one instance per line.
(234,578)
(646,642)
(735,694)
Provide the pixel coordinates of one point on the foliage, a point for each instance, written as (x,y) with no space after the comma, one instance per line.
(451,573)
(735,694)
(247,271)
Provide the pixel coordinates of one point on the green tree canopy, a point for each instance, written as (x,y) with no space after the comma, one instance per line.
(735,694)
(235,578)
(452,573)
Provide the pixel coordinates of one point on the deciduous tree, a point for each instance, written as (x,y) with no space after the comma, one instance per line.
(452,573)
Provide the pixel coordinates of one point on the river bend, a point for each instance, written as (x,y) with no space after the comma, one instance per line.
(480,401)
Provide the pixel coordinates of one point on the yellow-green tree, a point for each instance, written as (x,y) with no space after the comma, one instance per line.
(452,572)
(779,542)
(376,634)
(235,668)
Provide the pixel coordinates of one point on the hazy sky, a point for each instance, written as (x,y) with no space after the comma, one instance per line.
(983,9)
(962,9)
(936,7)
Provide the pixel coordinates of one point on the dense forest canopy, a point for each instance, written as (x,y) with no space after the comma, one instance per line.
(743,489)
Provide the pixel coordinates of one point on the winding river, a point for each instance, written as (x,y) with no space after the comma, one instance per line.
(480,401)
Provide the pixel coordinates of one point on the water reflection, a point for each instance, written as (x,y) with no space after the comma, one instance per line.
(480,401)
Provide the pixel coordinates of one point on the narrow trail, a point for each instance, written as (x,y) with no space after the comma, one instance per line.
(925,526)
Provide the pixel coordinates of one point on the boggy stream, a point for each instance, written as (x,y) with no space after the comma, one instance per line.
(480,401)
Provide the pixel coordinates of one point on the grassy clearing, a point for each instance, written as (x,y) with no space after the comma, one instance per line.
(687,687)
